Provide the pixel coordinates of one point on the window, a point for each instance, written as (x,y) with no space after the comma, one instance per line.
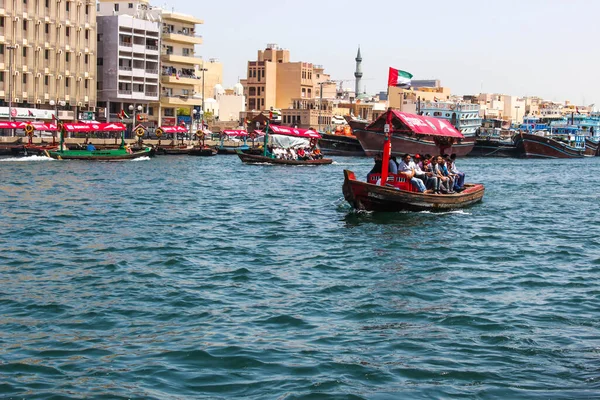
(24,79)
(46,80)
(85,85)
(100,61)
(47,3)
(67,82)
(24,25)
(68,30)
(116,7)
(1,76)
(67,56)
(46,54)
(1,49)
(87,34)
(68,6)
(169,112)
(130,5)
(99,38)
(1,22)
(87,9)
(24,51)
(47,29)
(85,59)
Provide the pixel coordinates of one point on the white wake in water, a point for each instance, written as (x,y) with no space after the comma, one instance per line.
(141,159)
(27,159)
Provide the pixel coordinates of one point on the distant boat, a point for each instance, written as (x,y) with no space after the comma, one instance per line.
(414,134)
(93,154)
(537,146)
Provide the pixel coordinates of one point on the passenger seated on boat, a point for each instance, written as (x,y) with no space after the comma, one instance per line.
(432,183)
(91,147)
(446,182)
(316,154)
(376,170)
(407,168)
(459,183)
(302,154)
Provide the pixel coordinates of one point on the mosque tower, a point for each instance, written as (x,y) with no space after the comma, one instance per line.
(358,74)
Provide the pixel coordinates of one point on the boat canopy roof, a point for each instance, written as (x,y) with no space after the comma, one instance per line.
(38,126)
(108,127)
(234,132)
(417,124)
(294,132)
(174,129)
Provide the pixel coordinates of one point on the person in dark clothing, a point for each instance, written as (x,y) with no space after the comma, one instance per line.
(377,167)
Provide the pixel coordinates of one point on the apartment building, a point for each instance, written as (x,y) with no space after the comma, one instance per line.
(274,81)
(128,64)
(47,57)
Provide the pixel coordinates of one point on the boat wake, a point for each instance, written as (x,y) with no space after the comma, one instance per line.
(27,159)
(460,212)
(141,159)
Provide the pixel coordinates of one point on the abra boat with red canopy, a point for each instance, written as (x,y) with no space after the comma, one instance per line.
(414,134)
(391,192)
(287,138)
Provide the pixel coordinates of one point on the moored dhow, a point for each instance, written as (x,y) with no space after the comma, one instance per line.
(531,145)
(414,134)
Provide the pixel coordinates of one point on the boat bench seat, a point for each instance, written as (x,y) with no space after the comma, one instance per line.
(398,181)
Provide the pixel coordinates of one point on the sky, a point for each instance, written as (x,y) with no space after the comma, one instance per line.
(545,48)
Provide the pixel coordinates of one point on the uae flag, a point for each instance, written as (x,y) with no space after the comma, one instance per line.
(399,78)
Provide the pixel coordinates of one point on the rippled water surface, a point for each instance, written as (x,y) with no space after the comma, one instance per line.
(178,278)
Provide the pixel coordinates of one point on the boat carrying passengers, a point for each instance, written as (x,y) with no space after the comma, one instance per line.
(428,174)
(301,153)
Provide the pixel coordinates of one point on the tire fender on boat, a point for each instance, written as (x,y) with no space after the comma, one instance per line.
(139,132)
(29,129)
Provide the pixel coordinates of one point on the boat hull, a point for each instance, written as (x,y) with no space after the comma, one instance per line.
(592,148)
(372,143)
(254,159)
(173,151)
(488,147)
(534,146)
(370,197)
(337,145)
(99,155)
(203,152)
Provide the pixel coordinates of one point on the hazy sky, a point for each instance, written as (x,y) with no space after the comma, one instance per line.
(522,47)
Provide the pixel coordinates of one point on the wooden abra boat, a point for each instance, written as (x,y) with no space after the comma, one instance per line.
(535,146)
(285,137)
(92,154)
(394,192)
(371,197)
(203,151)
(254,159)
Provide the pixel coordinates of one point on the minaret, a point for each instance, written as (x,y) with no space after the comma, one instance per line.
(358,74)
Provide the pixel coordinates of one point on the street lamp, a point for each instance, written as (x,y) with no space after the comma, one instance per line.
(132,108)
(203,70)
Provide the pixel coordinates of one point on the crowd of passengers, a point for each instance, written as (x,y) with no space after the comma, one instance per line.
(301,154)
(428,174)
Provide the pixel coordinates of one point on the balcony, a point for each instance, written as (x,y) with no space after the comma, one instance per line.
(182,80)
(152,71)
(125,44)
(181,59)
(124,68)
(180,37)
(152,48)
(171,100)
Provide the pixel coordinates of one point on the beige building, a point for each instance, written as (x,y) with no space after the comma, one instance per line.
(48,56)
(275,81)
(406,100)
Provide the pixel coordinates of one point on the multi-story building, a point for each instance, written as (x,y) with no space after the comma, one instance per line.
(128,64)
(48,57)
(179,69)
(274,81)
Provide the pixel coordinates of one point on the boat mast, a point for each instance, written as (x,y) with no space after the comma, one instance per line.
(387,148)
(62,135)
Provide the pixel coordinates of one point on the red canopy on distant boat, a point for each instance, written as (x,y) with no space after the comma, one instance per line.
(84,128)
(418,124)
(21,125)
(295,132)
(174,129)
(234,132)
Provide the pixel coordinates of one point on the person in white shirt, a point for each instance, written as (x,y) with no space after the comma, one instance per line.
(408,168)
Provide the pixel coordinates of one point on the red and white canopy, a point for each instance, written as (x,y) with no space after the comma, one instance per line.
(174,129)
(418,124)
(85,128)
(21,125)
(295,132)
(234,132)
